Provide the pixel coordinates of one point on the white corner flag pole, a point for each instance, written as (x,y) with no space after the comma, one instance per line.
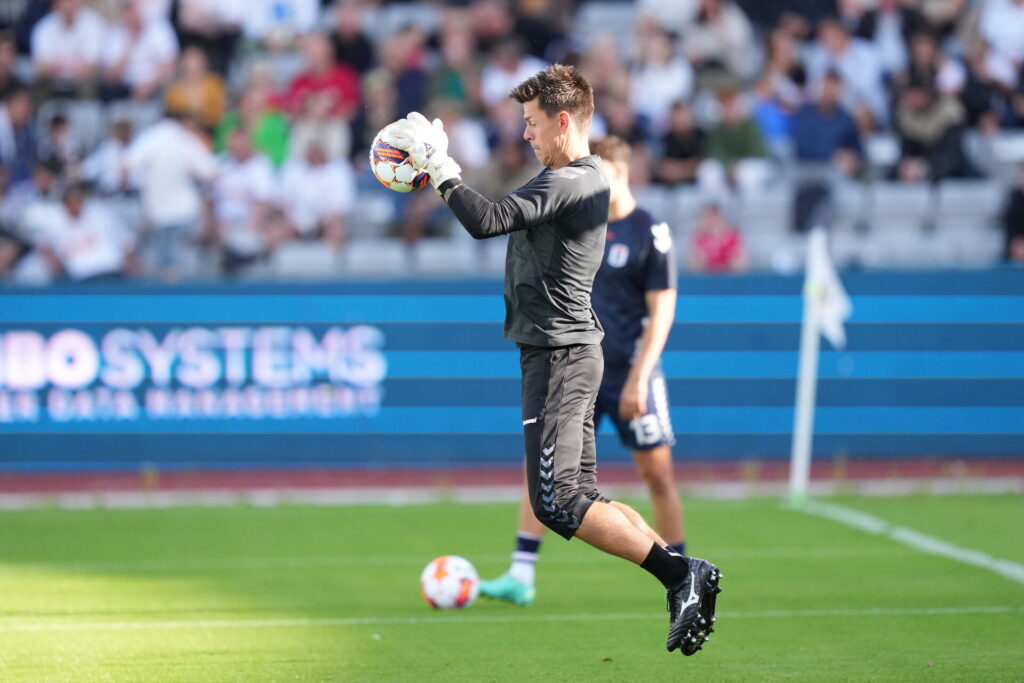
(826,306)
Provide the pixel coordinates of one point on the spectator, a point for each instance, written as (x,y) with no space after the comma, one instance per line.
(279,23)
(8,60)
(197,92)
(17,138)
(858,64)
(318,195)
(247,222)
(930,127)
(509,168)
(351,46)
(66,48)
(138,56)
(1013,221)
(107,167)
(168,162)
(12,249)
(659,78)
(457,77)
(60,143)
(28,207)
(86,242)
(212,25)
(322,99)
(669,15)
(717,246)
(683,148)
(794,16)
(540,23)
(737,156)
(1001,25)
(827,148)
(824,133)
(890,27)
(720,38)
(506,68)
(605,68)
(406,60)
(270,131)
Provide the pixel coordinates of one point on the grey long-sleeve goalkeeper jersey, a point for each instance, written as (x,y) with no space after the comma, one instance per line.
(556,225)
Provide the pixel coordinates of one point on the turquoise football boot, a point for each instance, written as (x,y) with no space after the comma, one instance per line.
(508,589)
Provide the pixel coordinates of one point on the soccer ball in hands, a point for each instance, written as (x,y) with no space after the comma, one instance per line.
(449,582)
(392,167)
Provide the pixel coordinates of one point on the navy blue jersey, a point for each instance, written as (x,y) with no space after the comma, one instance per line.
(638,258)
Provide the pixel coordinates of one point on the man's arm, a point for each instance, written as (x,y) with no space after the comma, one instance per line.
(661,312)
(539,201)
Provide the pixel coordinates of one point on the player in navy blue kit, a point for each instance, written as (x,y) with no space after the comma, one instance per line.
(634,296)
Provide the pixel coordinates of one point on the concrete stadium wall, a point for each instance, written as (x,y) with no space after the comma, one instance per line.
(416,373)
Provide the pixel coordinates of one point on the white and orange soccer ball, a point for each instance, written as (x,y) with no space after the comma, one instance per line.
(392,167)
(449,582)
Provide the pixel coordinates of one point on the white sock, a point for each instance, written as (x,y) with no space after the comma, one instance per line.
(524,567)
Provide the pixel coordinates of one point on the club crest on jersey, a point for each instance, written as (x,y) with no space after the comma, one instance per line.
(618,254)
(662,237)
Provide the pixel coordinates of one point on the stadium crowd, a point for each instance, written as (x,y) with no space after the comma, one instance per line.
(177,139)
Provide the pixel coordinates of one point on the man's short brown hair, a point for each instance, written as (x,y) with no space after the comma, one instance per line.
(611,148)
(559,88)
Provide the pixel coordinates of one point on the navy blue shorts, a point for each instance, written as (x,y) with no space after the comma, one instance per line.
(653,428)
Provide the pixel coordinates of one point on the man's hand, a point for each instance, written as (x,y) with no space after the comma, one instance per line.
(633,401)
(427,146)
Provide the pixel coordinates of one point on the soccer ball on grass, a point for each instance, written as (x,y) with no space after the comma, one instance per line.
(449,582)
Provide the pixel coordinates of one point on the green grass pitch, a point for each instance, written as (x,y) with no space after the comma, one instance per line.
(322,593)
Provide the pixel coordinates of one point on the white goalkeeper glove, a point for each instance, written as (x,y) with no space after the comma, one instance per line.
(427,146)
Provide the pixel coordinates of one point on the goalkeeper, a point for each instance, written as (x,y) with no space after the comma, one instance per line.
(556,225)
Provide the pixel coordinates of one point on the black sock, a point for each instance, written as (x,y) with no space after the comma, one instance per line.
(677,548)
(666,567)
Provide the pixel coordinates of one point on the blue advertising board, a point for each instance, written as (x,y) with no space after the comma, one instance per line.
(417,374)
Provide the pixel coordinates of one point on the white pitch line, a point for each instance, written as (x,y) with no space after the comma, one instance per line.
(915,539)
(342,561)
(489,619)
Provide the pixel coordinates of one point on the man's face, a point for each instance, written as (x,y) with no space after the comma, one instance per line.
(542,132)
(617,173)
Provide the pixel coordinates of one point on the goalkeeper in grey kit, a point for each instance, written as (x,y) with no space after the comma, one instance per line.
(556,225)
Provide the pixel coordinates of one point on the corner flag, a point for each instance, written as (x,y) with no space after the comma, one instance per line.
(826,308)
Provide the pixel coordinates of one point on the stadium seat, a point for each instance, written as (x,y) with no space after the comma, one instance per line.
(768,211)
(375,257)
(87,119)
(969,203)
(304,260)
(899,206)
(446,256)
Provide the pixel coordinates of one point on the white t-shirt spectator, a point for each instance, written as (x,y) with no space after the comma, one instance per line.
(312,193)
(1001,24)
(294,16)
(655,87)
(69,46)
(167,161)
(242,186)
(156,47)
(93,244)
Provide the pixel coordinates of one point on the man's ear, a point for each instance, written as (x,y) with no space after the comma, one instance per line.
(564,121)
